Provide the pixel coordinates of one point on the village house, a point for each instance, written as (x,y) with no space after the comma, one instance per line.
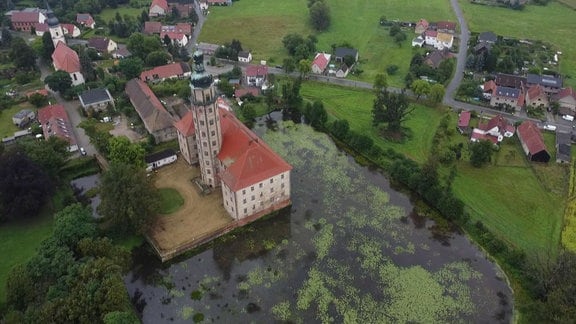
(254,179)
(487,37)
(488,88)
(566,99)
(536,97)
(341,52)
(86,20)
(418,41)
(203,5)
(157,121)
(464,122)
(66,59)
(505,96)
(96,99)
(320,63)
(256,75)
(241,92)
(152,27)
(23,117)
(339,70)
(178,70)
(421,26)
(244,57)
(121,52)
(177,39)
(494,130)
(55,122)
(510,81)
(435,58)
(532,142)
(183,9)
(103,45)
(446,27)
(549,83)
(160,159)
(27,19)
(158,8)
(438,40)
(71,30)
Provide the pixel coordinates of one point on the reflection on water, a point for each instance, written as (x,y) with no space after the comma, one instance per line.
(351,248)
(86,183)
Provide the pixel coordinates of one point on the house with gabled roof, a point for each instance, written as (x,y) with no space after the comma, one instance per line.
(86,20)
(71,30)
(256,75)
(177,70)
(494,130)
(446,27)
(158,8)
(503,96)
(464,122)
(55,122)
(488,89)
(96,99)
(549,83)
(103,44)
(244,56)
(159,159)
(566,99)
(421,26)
(157,120)
(320,63)
(510,80)
(487,37)
(66,59)
(536,96)
(184,9)
(176,38)
(435,58)
(207,48)
(26,20)
(341,52)
(152,27)
(187,138)
(532,142)
(563,147)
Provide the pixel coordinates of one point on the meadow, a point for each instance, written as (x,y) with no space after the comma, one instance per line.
(260,26)
(553,23)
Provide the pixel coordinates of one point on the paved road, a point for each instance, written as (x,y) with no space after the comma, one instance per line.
(460,58)
(73,113)
(197,29)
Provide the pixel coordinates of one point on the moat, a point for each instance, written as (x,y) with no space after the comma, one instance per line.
(350,249)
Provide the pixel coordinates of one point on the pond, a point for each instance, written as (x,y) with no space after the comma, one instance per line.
(85,184)
(350,249)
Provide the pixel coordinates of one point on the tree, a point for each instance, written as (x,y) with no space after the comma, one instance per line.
(47,47)
(399,38)
(249,114)
(157,58)
(86,65)
(59,81)
(50,154)
(128,200)
(22,55)
(480,153)
(131,67)
(24,186)
(140,45)
(120,318)
(420,88)
(320,16)
(436,93)
(304,67)
(38,100)
(340,128)
(123,151)
(316,114)
(391,108)
(72,224)
(380,82)
(6,37)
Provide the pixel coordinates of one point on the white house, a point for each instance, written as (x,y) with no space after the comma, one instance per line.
(244,56)
(176,38)
(320,63)
(438,40)
(418,41)
(160,159)
(158,8)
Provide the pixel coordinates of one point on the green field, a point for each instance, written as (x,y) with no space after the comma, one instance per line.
(355,105)
(260,26)
(170,200)
(109,14)
(553,23)
(19,242)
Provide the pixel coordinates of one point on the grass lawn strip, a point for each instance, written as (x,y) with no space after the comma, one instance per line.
(170,200)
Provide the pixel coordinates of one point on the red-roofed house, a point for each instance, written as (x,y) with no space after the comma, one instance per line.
(239,93)
(256,75)
(168,71)
(187,138)
(103,44)
(158,8)
(494,130)
(184,9)
(532,142)
(71,30)
(536,97)
(86,20)
(184,28)
(66,59)
(446,27)
(25,20)
(54,121)
(566,99)
(176,38)
(421,26)
(320,63)
(157,121)
(152,27)
(464,122)
(41,28)
(489,88)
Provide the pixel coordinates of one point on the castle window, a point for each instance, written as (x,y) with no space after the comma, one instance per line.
(203,134)
(205,144)
(282,176)
(245,210)
(243,191)
(202,123)
(205,153)
(260,184)
(244,200)
(252,188)
(209,110)
(208,171)
(253,198)
(207,162)
(213,133)
(253,207)
(272,180)
(282,186)
(211,122)
(214,143)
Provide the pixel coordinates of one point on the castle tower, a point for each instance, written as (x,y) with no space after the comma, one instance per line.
(206,121)
(56,31)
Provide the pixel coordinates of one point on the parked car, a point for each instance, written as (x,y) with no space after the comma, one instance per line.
(550,127)
(568,117)
(82,151)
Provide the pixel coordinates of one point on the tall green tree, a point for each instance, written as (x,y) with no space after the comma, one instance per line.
(391,108)
(304,67)
(59,81)
(128,200)
(480,153)
(316,114)
(131,67)
(72,224)
(289,65)
(420,88)
(320,15)
(86,65)
(22,55)
(436,94)
(123,151)
(50,154)
(157,58)
(380,82)
(47,47)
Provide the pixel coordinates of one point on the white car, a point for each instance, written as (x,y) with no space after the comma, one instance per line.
(550,127)
(82,151)
(568,117)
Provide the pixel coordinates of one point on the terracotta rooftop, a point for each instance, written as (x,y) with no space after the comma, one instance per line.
(566,92)
(186,125)
(535,91)
(152,27)
(321,60)
(447,25)
(25,17)
(165,71)
(464,119)
(245,156)
(531,137)
(54,121)
(256,70)
(65,58)
(160,3)
(510,80)
(489,86)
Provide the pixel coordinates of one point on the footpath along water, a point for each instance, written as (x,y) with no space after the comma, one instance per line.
(350,249)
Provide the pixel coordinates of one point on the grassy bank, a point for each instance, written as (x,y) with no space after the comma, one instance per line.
(552,23)
(260,26)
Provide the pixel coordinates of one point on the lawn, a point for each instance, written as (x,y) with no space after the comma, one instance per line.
(109,14)
(19,243)
(355,105)
(260,26)
(553,23)
(7,128)
(170,200)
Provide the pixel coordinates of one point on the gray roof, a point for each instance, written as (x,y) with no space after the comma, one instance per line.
(94,96)
(148,106)
(344,51)
(544,80)
(243,54)
(159,155)
(487,37)
(507,92)
(563,149)
(22,113)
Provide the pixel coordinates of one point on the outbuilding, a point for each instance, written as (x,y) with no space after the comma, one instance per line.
(162,158)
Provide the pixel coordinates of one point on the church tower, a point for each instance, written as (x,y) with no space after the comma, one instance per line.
(206,121)
(56,31)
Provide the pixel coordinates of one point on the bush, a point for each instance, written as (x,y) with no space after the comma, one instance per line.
(392,69)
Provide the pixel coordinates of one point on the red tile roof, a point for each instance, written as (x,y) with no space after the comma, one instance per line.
(186,125)
(321,60)
(165,71)
(497,121)
(256,70)
(152,27)
(566,92)
(148,106)
(68,28)
(172,35)
(25,17)
(431,33)
(423,23)
(160,3)
(84,18)
(245,156)
(530,136)
(490,86)
(448,25)
(65,58)
(244,91)
(55,122)
(464,119)
(535,91)
(485,137)
(184,28)
(41,27)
